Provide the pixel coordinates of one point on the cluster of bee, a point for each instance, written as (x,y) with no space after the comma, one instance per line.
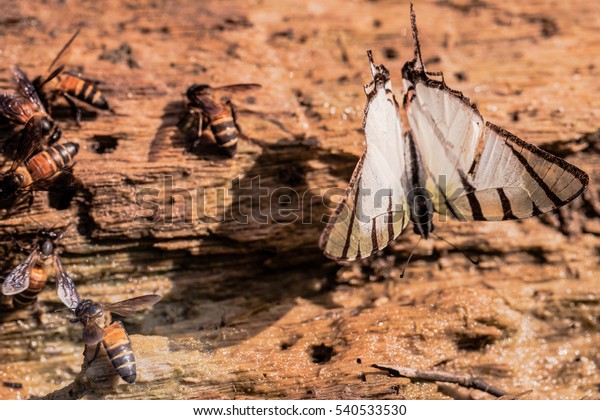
(41,163)
(29,278)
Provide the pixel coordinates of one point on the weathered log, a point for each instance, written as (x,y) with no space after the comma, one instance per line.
(251,308)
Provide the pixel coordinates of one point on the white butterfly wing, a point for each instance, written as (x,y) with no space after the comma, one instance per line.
(508,179)
(477,173)
(447,130)
(514,179)
(373,211)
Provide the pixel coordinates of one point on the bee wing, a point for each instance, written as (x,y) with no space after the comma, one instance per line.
(26,89)
(128,308)
(18,279)
(84,78)
(240,87)
(92,333)
(63,180)
(65,288)
(60,57)
(31,137)
(207,105)
(15,108)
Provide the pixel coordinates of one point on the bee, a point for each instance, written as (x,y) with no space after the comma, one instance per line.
(71,85)
(29,278)
(99,328)
(42,168)
(204,111)
(17,108)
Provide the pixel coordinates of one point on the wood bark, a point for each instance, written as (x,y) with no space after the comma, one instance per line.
(251,308)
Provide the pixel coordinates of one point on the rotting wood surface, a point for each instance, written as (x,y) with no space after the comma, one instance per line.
(253,310)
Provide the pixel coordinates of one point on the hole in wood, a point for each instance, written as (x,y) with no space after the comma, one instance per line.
(104,144)
(61,199)
(321,354)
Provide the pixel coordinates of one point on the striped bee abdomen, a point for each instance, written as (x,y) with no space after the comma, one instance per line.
(81,89)
(225,132)
(37,282)
(51,161)
(118,347)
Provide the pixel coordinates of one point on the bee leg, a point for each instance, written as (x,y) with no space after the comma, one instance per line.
(20,247)
(234,116)
(191,122)
(89,362)
(39,313)
(30,199)
(75,110)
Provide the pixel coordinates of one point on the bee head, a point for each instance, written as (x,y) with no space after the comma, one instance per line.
(196,90)
(88,309)
(47,126)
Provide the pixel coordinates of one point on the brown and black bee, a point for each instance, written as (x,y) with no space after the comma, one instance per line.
(205,111)
(17,108)
(70,85)
(29,278)
(99,328)
(42,169)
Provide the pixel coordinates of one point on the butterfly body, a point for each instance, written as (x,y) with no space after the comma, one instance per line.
(418,198)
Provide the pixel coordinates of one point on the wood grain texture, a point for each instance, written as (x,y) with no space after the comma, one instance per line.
(251,308)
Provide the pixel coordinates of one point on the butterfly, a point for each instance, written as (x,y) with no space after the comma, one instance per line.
(449,161)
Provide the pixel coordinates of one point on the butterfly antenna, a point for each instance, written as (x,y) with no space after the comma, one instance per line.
(475,262)
(413,23)
(410,256)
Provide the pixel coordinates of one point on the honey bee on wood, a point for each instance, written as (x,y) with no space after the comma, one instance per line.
(98,328)
(29,278)
(17,108)
(205,111)
(70,85)
(43,170)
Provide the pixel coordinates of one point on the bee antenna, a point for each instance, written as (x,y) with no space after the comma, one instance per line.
(64,230)
(41,227)
(410,256)
(63,309)
(472,260)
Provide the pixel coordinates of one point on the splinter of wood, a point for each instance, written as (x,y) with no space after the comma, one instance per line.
(441,376)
